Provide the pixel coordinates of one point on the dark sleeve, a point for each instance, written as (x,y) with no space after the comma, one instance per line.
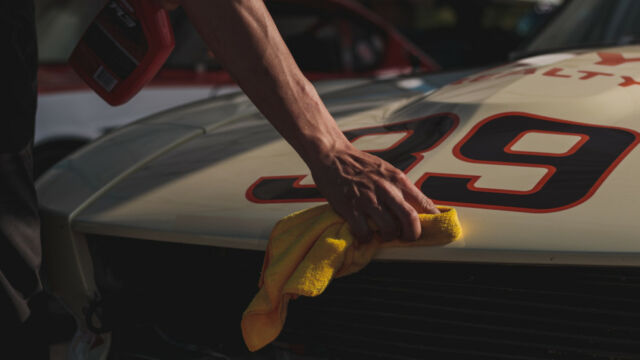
(19,224)
(18,71)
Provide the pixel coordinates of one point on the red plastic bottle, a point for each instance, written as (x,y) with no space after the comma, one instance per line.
(123,48)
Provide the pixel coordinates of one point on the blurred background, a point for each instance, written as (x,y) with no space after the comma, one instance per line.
(330,40)
(466,33)
(456,33)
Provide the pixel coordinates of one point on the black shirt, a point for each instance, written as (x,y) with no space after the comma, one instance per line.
(18,74)
(19,224)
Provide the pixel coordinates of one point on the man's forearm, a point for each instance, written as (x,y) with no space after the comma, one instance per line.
(358,185)
(245,40)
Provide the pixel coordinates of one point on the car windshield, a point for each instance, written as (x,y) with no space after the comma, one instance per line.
(586,23)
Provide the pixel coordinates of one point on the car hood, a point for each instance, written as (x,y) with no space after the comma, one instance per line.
(189,175)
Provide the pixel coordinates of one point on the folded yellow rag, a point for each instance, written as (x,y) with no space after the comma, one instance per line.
(309,248)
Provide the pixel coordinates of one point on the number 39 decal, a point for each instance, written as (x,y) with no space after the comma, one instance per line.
(570,179)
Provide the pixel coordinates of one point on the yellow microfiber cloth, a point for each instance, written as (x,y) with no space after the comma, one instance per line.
(309,248)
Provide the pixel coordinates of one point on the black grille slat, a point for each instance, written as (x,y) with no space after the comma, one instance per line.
(418,347)
(564,296)
(474,311)
(594,305)
(381,281)
(596,316)
(351,353)
(602,317)
(500,336)
(446,312)
(360,345)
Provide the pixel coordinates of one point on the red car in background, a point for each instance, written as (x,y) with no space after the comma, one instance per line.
(330,39)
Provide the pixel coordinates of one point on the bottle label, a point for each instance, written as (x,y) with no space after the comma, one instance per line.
(117,42)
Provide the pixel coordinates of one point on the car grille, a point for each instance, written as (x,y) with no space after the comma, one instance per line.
(473,311)
(389,310)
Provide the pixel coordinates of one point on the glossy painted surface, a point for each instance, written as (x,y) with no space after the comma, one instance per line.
(195,189)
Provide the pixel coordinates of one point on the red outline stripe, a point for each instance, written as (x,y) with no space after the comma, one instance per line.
(583,139)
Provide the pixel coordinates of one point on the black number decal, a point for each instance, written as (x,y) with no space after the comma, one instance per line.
(421,135)
(571,178)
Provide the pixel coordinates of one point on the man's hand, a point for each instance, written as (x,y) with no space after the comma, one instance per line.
(360,186)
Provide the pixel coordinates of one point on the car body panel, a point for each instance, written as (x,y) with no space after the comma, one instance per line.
(90,117)
(196,191)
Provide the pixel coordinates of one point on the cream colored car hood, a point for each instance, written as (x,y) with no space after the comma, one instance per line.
(190,175)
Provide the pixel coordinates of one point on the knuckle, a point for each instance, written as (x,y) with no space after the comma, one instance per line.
(412,227)
(370,205)
(430,206)
(385,223)
(388,190)
(397,177)
(411,235)
(412,216)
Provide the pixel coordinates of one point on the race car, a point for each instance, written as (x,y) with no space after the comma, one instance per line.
(330,40)
(154,234)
